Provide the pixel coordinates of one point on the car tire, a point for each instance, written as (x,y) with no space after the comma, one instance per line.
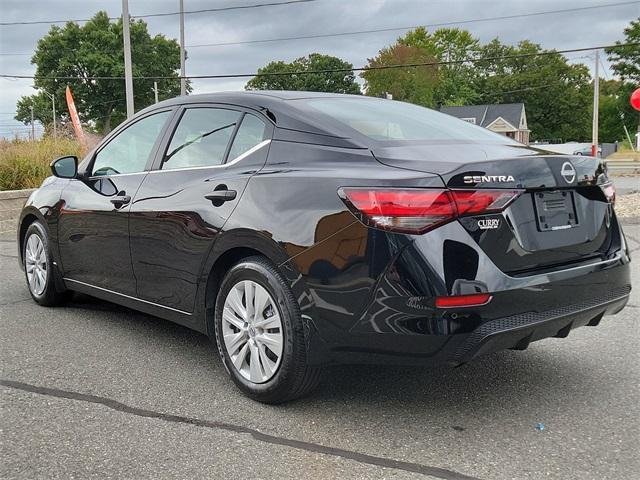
(39,268)
(249,327)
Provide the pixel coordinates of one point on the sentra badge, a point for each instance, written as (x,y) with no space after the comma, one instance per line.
(488,178)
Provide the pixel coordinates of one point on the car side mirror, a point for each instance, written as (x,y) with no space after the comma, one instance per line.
(65,167)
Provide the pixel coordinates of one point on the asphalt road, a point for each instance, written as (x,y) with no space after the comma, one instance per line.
(626,183)
(94,390)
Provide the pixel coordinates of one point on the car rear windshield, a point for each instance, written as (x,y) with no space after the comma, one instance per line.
(388,120)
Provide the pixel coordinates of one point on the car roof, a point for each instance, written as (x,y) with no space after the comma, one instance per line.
(270,99)
(277,105)
(255,95)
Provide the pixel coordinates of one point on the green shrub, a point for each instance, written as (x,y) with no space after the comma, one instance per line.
(25,164)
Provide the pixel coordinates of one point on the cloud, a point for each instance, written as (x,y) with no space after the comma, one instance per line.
(566,30)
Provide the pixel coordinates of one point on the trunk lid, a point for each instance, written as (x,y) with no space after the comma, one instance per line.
(529,167)
(561,217)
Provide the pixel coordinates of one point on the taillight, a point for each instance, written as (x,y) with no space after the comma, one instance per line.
(475,202)
(609,191)
(410,210)
(419,210)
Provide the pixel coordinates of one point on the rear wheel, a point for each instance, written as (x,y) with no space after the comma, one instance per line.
(39,267)
(259,334)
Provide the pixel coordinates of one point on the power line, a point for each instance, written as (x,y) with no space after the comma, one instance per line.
(224,9)
(392,29)
(525,89)
(337,70)
(27,128)
(340,34)
(204,10)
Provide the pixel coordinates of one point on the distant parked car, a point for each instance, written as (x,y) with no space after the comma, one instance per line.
(587,151)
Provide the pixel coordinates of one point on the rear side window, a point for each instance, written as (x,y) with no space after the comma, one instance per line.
(387,120)
(129,151)
(252,131)
(201,138)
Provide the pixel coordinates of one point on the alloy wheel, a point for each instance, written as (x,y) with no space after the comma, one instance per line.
(252,331)
(36,264)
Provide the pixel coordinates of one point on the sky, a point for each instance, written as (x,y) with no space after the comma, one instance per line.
(567,30)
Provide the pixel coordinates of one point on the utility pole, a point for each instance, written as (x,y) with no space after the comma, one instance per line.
(53,103)
(155,90)
(33,127)
(626,131)
(183,80)
(596,98)
(55,129)
(128,74)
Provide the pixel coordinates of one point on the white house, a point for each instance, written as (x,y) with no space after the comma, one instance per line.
(508,119)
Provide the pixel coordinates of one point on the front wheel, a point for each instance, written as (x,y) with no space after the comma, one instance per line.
(259,334)
(39,267)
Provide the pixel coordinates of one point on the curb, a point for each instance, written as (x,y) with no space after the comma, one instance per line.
(11,203)
(13,194)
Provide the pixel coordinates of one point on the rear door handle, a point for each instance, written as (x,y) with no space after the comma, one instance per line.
(221,195)
(120,200)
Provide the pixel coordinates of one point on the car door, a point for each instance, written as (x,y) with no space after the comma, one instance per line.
(93,226)
(184,202)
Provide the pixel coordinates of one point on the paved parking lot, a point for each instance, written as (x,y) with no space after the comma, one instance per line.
(94,390)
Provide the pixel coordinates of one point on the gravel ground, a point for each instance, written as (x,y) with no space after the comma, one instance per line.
(94,390)
(628,207)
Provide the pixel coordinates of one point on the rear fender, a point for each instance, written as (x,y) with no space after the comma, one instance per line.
(253,242)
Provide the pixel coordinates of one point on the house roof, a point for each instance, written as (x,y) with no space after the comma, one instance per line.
(487,114)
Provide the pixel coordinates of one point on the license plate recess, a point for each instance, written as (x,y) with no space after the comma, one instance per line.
(555,210)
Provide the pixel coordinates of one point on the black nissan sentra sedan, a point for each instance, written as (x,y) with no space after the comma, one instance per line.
(302,229)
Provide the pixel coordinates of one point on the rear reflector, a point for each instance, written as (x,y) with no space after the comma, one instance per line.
(419,210)
(463,300)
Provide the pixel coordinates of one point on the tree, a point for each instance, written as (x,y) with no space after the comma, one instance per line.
(96,50)
(432,86)
(557,95)
(453,47)
(42,110)
(342,81)
(615,110)
(408,84)
(625,61)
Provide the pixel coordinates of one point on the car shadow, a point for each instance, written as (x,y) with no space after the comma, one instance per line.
(478,388)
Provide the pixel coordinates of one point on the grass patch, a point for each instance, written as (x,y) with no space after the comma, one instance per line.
(625,155)
(25,164)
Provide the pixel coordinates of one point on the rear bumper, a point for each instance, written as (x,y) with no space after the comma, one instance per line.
(399,328)
(380,307)
(512,332)
(518,331)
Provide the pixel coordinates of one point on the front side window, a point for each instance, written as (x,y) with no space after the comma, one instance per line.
(128,152)
(201,138)
(251,132)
